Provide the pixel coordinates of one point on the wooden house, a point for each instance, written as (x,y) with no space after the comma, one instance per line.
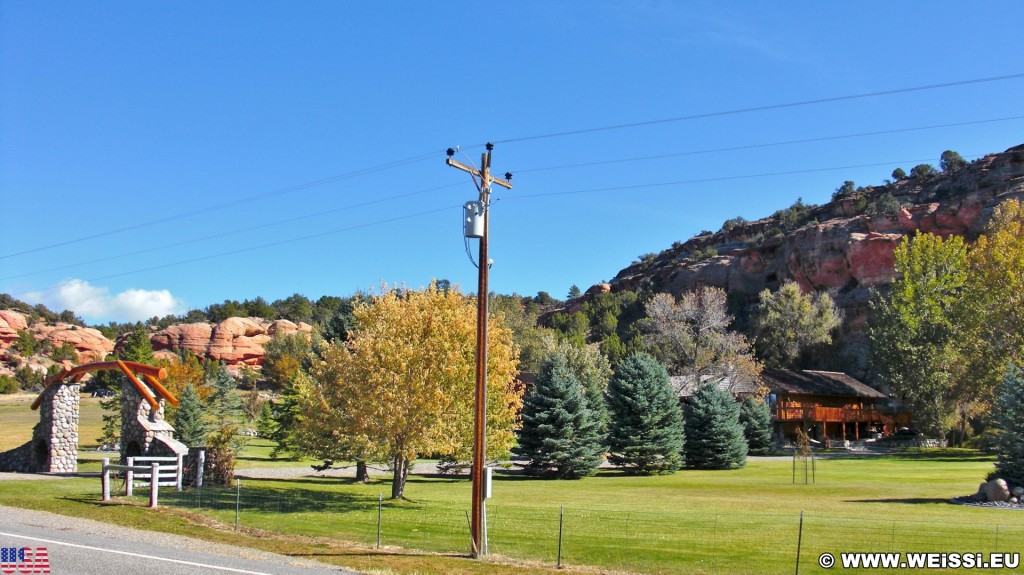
(829,406)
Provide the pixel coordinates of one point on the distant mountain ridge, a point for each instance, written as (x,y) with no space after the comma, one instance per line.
(844,246)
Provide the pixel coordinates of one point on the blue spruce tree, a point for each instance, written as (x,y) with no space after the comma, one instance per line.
(559,435)
(646,428)
(714,435)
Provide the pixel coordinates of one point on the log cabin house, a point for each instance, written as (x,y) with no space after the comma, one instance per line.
(829,406)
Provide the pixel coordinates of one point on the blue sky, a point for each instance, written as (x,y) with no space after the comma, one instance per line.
(156,157)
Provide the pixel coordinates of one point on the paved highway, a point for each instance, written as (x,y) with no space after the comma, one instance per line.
(82,547)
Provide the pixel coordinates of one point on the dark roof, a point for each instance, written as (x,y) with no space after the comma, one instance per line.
(833,383)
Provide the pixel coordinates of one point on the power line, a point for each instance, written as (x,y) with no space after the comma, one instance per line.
(716,179)
(425,156)
(765,145)
(520,171)
(229,204)
(249,249)
(229,233)
(761,108)
(459,207)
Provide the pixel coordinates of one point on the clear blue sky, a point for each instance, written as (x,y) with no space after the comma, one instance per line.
(204,121)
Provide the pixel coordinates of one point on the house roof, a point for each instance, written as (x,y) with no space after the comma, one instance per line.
(792,382)
(686,385)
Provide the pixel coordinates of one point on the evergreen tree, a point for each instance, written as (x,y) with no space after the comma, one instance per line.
(559,434)
(646,429)
(190,423)
(136,348)
(714,436)
(223,402)
(1009,415)
(757,427)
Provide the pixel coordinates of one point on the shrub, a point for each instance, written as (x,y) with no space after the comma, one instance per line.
(899,174)
(8,384)
(923,171)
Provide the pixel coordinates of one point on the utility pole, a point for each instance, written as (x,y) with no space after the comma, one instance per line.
(478,523)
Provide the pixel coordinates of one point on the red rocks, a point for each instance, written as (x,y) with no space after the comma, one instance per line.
(235,341)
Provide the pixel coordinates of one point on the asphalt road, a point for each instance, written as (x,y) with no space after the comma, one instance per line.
(82,547)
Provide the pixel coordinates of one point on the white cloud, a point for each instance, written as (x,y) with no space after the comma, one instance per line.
(97,304)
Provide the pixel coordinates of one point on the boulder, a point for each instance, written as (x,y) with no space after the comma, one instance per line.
(11,322)
(997,490)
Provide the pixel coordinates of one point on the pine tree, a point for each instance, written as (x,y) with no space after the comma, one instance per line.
(136,348)
(224,403)
(757,427)
(1009,416)
(714,436)
(646,428)
(190,423)
(559,434)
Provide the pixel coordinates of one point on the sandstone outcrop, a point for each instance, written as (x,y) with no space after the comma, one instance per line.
(838,247)
(235,341)
(89,344)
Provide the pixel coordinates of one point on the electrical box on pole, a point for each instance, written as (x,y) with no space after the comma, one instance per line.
(488,478)
(473,219)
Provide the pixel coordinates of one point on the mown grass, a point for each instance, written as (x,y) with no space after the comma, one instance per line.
(744,521)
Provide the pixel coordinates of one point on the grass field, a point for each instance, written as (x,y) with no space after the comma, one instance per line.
(745,521)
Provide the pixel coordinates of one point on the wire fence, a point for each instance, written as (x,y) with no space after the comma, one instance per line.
(663,541)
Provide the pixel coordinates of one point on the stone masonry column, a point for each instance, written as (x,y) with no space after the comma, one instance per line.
(55,439)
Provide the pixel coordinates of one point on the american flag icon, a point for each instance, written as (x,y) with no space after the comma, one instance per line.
(26,560)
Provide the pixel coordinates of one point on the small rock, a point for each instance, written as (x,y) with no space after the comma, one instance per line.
(1013,500)
(1017,491)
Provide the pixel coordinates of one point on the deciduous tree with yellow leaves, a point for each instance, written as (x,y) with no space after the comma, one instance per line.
(403,384)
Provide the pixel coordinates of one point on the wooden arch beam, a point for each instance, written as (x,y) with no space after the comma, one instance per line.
(151,373)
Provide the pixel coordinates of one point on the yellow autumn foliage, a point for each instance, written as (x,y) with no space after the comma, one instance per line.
(403,385)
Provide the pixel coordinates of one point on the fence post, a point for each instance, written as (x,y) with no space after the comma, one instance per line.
(129,477)
(799,541)
(561,520)
(238,499)
(154,485)
(181,471)
(200,463)
(380,504)
(107,481)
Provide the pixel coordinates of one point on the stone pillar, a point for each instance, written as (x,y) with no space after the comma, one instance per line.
(55,439)
(144,431)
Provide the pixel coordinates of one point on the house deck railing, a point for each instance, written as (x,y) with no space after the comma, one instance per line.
(839,415)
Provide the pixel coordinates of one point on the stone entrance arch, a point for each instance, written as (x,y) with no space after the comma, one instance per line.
(54,444)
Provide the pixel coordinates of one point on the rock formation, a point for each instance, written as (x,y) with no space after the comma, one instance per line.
(838,246)
(235,341)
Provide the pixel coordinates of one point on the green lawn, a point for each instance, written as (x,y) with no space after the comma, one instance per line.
(744,521)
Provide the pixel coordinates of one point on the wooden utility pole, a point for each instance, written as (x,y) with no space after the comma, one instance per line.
(478,522)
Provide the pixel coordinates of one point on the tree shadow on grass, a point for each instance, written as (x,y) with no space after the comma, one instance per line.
(905,500)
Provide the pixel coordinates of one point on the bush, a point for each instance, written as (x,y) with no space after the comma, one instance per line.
(899,174)
(886,204)
(8,385)
(923,171)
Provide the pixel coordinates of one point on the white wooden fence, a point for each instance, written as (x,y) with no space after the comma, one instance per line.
(157,475)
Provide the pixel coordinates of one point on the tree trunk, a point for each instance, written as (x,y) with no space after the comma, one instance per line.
(362,474)
(400,466)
